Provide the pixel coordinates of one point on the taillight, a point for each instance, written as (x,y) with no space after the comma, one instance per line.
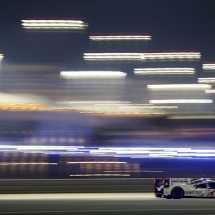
(163,181)
(154,181)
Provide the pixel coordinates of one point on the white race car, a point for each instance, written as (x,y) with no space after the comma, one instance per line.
(177,188)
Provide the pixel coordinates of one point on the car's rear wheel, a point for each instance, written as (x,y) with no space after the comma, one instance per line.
(177,193)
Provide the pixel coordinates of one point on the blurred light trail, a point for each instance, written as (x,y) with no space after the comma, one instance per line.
(143,56)
(54,24)
(115,152)
(179,87)
(210,91)
(206,80)
(23,163)
(1,56)
(120,37)
(113,56)
(96,162)
(173,55)
(92,74)
(208,66)
(192,117)
(181,101)
(98,175)
(149,71)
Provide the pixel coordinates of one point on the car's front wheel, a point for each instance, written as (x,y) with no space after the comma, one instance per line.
(177,193)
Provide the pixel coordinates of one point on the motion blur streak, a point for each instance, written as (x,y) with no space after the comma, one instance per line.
(3,164)
(179,87)
(1,56)
(210,91)
(142,56)
(208,66)
(53,24)
(133,152)
(206,80)
(146,71)
(103,175)
(182,101)
(93,74)
(127,37)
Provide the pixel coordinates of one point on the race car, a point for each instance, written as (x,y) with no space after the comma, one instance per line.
(177,188)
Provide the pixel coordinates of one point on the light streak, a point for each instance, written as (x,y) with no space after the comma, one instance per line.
(96,162)
(179,87)
(120,37)
(93,74)
(181,101)
(210,91)
(208,66)
(143,56)
(206,80)
(53,24)
(152,71)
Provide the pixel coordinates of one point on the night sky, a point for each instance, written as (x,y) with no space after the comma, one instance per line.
(173,25)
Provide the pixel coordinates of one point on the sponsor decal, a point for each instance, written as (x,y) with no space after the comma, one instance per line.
(193,192)
(185,180)
(160,188)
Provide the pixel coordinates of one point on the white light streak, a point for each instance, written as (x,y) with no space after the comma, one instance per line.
(113,56)
(209,91)
(143,56)
(119,37)
(93,74)
(179,87)
(173,55)
(134,152)
(1,56)
(182,101)
(149,71)
(209,66)
(53,24)
(206,80)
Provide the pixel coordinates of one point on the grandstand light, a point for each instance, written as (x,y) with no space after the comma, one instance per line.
(143,56)
(210,91)
(53,24)
(179,87)
(113,56)
(181,101)
(173,55)
(206,80)
(120,37)
(208,66)
(149,71)
(93,74)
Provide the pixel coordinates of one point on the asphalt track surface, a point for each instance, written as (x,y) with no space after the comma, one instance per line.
(102,204)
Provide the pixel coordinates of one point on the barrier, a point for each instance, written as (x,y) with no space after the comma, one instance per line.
(23,186)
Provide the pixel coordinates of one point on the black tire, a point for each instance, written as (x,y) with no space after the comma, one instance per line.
(177,193)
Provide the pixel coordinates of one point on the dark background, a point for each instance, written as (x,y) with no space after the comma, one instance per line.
(173,24)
